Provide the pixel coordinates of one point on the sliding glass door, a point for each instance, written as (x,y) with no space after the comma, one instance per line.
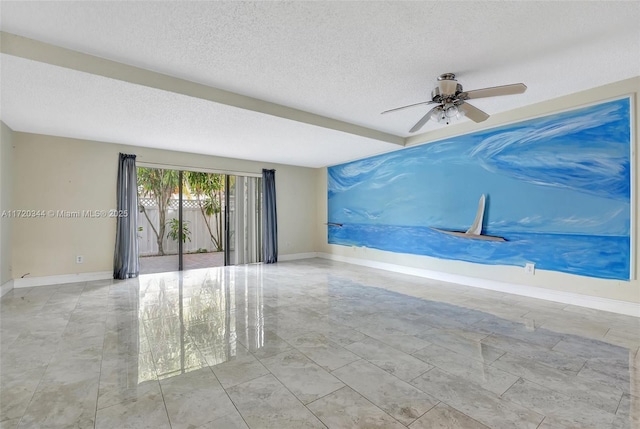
(159,206)
(244,220)
(189,220)
(203,216)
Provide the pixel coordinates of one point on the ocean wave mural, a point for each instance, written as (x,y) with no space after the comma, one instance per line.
(558,189)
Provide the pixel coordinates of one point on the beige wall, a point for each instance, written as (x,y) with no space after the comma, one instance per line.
(6,190)
(54,173)
(619,290)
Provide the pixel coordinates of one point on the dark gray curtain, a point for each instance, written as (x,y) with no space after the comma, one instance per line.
(125,259)
(269,217)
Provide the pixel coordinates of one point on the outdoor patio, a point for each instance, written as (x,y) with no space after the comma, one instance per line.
(162,264)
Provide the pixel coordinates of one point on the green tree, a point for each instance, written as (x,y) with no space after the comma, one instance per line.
(208,189)
(160,185)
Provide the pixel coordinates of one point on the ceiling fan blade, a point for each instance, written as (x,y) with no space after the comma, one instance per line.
(516,88)
(422,120)
(410,105)
(473,113)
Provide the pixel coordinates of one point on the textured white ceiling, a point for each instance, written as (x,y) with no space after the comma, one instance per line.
(343,60)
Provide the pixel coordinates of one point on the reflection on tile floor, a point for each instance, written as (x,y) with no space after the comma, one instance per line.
(190,261)
(310,344)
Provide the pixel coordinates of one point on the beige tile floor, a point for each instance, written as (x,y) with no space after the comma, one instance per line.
(309,344)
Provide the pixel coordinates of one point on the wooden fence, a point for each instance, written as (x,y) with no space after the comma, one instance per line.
(191,216)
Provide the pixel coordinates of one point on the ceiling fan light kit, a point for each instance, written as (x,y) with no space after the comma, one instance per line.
(446,113)
(451,100)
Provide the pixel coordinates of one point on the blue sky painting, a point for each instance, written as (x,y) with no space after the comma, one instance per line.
(558,189)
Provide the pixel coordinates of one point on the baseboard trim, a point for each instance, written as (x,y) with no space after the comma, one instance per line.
(296,256)
(61,279)
(605,304)
(6,288)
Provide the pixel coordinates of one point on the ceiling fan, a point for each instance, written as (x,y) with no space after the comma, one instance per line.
(451,101)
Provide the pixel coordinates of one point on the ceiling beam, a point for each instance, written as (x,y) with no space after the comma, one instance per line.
(31,49)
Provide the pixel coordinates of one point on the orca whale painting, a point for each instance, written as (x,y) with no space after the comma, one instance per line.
(555,191)
(475,232)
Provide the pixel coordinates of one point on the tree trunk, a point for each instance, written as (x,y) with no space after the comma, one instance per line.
(206,220)
(160,235)
(163,205)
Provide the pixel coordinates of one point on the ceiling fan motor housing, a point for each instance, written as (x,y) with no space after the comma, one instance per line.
(448,85)
(440,96)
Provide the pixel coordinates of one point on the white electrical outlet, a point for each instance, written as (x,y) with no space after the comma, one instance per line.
(79,259)
(530,268)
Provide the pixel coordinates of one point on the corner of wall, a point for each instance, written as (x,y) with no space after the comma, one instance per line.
(6,288)
(320,223)
(6,201)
